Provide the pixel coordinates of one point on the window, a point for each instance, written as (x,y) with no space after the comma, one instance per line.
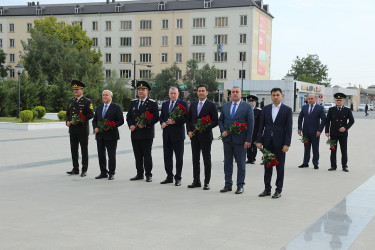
(199,22)
(145,73)
(164,41)
(11,58)
(126,25)
(179,23)
(222,58)
(1,11)
(178,40)
(11,73)
(118,7)
(221,74)
(242,38)
(29,26)
(77,23)
(242,56)
(199,57)
(207,3)
(145,58)
(221,22)
(38,10)
(108,58)
(95,25)
(161,5)
(145,24)
(199,40)
(125,58)
(77,9)
(108,73)
(1,27)
(243,20)
(221,39)
(164,24)
(95,40)
(145,41)
(1,43)
(11,43)
(178,74)
(125,73)
(125,41)
(11,27)
(164,57)
(241,73)
(178,57)
(108,25)
(108,42)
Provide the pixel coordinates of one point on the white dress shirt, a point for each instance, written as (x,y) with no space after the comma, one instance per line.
(275,111)
(231,107)
(202,103)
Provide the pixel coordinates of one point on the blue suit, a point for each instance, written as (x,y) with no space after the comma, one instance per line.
(273,136)
(311,124)
(234,144)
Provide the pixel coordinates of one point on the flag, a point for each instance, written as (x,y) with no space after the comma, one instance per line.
(219,49)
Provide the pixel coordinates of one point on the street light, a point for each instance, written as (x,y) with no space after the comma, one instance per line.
(135,64)
(19,69)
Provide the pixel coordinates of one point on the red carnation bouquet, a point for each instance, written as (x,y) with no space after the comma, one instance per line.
(268,158)
(178,112)
(78,119)
(106,125)
(304,139)
(332,144)
(203,124)
(235,129)
(144,118)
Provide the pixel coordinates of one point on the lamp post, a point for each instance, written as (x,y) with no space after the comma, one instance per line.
(135,64)
(242,75)
(19,69)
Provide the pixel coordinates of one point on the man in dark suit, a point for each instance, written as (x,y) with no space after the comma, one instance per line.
(275,135)
(201,141)
(142,136)
(313,118)
(107,139)
(236,145)
(173,136)
(252,150)
(339,120)
(79,132)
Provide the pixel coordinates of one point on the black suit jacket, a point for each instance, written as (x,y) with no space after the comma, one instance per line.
(209,108)
(337,119)
(114,113)
(174,132)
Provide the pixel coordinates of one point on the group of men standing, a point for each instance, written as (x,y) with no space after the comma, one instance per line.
(270,128)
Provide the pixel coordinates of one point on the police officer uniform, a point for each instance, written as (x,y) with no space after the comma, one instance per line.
(79,133)
(142,138)
(252,151)
(338,117)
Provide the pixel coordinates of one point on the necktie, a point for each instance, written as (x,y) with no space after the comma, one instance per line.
(233,110)
(171,106)
(140,104)
(200,107)
(104,110)
(339,108)
(311,108)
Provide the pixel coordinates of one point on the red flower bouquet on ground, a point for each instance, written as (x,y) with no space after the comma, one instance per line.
(235,129)
(304,139)
(106,125)
(202,124)
(332,144)
(178,112)
(78,119)
(144,118)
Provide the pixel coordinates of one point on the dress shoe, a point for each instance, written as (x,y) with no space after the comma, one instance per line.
(239,190)
(304,166)
(111,177)
(194,185)
(101,176)
(206,187)
(345,169)
(316,167)
(276,195)
(226,189)
(332,169)
(148,178)
(72,172)
(166,181)
(177,183)
(83,174)
(137,177)
(264,193)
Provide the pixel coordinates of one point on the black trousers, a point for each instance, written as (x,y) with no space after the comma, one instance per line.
(178,149)
(252,152)
(83,140)
(280,156)
(110,146)
(196,148)
(143,158)
(343,141)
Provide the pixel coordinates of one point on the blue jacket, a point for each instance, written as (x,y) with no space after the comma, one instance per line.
(311,123)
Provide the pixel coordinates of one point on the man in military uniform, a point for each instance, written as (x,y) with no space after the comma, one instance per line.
(252,151)
(339,120)
(142,136)
(79,131)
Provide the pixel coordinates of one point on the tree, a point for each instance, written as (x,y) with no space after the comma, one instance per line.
(3,68)
(310,69)
(163,81)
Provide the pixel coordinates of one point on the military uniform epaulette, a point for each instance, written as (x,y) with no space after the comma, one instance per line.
(258,108)
(152,100)
(135,99)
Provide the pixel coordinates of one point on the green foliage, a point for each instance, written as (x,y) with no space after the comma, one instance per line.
(310,69)
(26,115)
(3,68)
(41,111)
(35,114)
(120,89)
(61,115)
(163,81)
(8,97)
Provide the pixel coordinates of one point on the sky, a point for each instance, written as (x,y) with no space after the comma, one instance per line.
(340,32)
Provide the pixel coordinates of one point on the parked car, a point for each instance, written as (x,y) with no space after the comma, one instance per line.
(362,106)
(328,105)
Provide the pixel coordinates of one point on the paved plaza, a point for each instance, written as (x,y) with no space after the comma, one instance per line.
(43,208)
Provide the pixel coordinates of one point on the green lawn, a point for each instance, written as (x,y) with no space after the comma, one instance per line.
(14,119)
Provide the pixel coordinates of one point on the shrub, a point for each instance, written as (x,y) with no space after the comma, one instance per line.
(61,115)
(26,115)
(41,111)
(35,114)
